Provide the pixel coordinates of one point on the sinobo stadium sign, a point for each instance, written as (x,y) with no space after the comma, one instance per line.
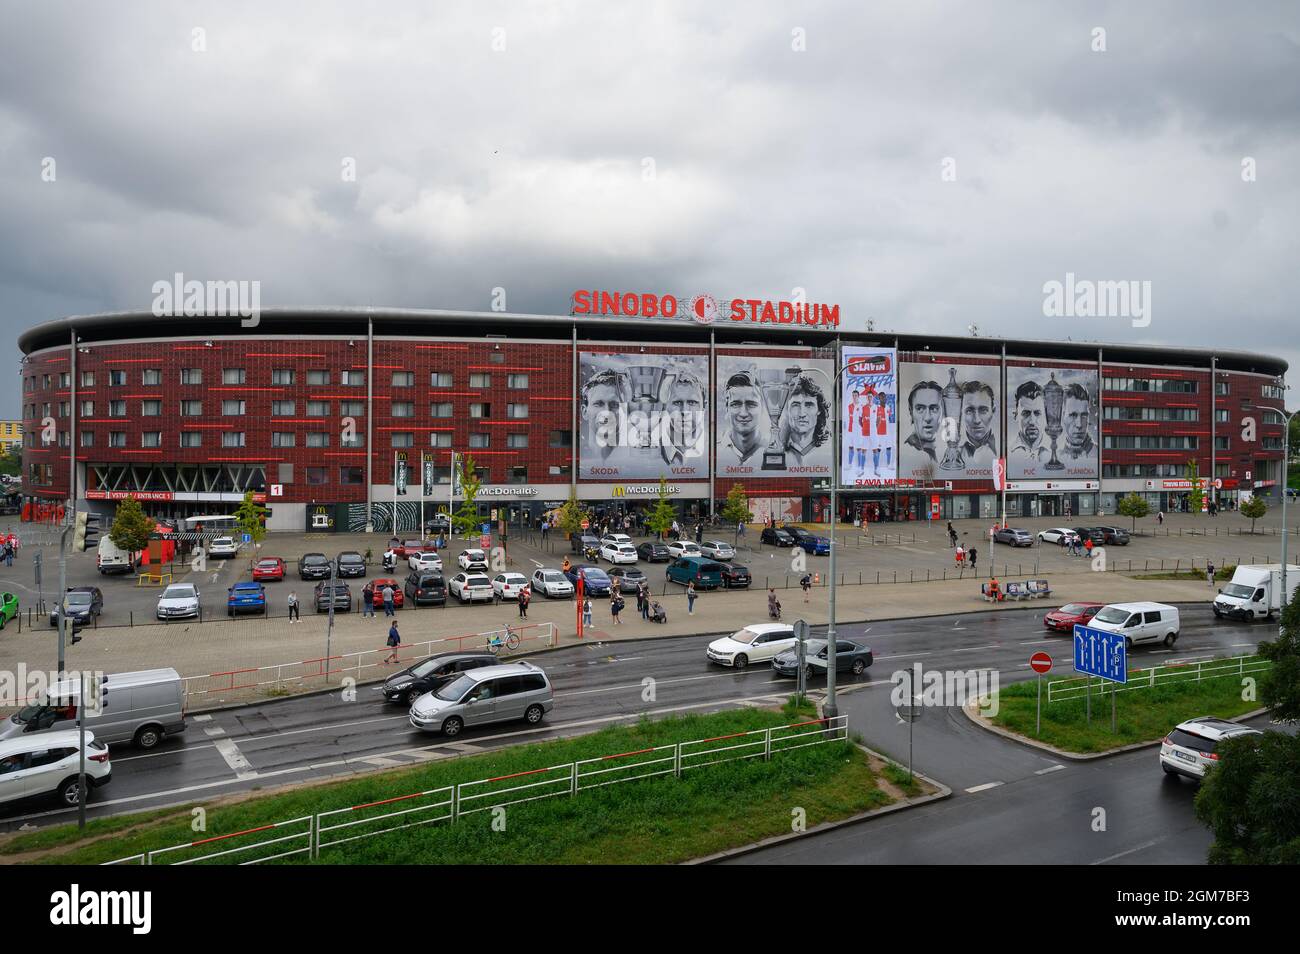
(704,309)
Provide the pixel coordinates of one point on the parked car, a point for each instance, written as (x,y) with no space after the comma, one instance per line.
(621,553)
(224,547)
(1056,535)
(552,584)
(336,592)
(425,561)
(595,581)
(472,560)
(314,566)
(1014,536)
(178,601)
(1190,749)
(439,523)
(423,587)
(683,548)
(350,565)
(579,542)
(484,695)
(759,642)
(776,536)
(377,593)
(653,551)
(470,587)
(432,673)
(1115,536)
(1095,534)
(404,549)
(8,608)
(735,575)
(626,578)
(1139,622)
(508,585)
(49,765)
(246,597)
(849,657)
(706,574)
(615,538)
(268,569)
(810,542)
(717,549)
(81,605)
(1068,616)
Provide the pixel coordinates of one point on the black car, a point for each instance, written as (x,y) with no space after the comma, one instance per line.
(1094,534)
(433,673)
(653,551)
(423,587)
(81,604)
(628,578)
(1117,536)
(351,564)
(849,657)
(439,524)
(314,566)
(776,536)
(342,596)
(734,575)
(579,542)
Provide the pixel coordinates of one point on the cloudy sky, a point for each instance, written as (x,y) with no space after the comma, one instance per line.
(928,165)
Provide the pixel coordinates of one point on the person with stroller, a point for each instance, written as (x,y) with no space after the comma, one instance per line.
(773,604)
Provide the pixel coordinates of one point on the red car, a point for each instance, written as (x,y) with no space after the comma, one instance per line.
(405,548)
(268,568)
(377,598)
(1064,619)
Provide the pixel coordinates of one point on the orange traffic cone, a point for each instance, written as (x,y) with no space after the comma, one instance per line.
(817,579)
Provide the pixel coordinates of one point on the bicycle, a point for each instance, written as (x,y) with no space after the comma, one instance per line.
(511,642)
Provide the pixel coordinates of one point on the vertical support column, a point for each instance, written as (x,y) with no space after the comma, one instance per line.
(1214,415)
(710,402)
(574,391)
(370,422)
(72,427)
(1101,426)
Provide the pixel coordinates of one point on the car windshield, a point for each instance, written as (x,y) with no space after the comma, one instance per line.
(1112,614)
(1074,609)
(313,558)
(477,581)
(179,592)
(745,636)
(426,667)
(1239,591)
(455,689)
(78,599)
(349,557)
(268,564)
(553,577)
(595,575)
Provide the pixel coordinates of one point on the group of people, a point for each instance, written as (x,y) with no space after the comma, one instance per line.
(11,544)
(387,596)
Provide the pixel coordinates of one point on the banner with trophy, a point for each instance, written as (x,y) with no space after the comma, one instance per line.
(643,416)
(950,420)
(774,416)
(1052,423)
(869,417)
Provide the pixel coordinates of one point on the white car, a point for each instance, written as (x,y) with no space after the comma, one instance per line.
(756,643)
(617,552)
(425,562)
(223,547)
(47,763)
(683,548)
(552,584)
(718,550)
(1056,534)
(615,538)
(472,560)
(178,601)
(470,587)
(1190,748)
(508,585)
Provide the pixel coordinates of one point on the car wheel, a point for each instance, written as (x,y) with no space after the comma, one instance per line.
(146,737)
(3,619)
(1217,614)
(808,672)
(859,667)
(70,791)
(230,612)
(1166,768)
(412,696)
(740,662)
(1128,645)
(451,727)
(534,714)
(1170,639)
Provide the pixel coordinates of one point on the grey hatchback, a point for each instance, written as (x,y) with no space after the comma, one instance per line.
(481,696)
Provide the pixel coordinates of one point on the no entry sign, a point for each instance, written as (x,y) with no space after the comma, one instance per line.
(1040,663)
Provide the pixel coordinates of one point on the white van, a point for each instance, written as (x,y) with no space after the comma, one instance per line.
(113,559)
(1139,622)
(1255,591)
(139,707)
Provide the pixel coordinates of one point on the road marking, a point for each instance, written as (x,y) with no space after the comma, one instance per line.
(1051,768)
(201,718)
(981,788)
(904,655)
(213,731)
(235,759)
(1036,642)
(380,761)
(1141,847)
(972,649)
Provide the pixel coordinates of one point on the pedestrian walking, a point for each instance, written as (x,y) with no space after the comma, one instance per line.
(952,536)
(394,640)
(773,604)
(9,553)
(1160,518)
(615,606)
(740,529)
(643,601)
(699,533)
(970,557)
(586,611)
(959,555)
(690,598)
(293,609)
(1209,573)
(546,526)
(806,585)
(524,599)
(368,600)
(387,594)
(1087,547)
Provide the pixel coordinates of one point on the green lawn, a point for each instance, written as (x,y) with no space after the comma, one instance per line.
(1144,715)
(650,821)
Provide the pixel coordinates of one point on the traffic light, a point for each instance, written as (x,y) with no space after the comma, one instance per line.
(86,536)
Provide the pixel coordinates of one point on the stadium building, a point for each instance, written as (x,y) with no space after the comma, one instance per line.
(344,418)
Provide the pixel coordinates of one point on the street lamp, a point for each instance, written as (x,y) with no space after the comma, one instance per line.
(1286,455)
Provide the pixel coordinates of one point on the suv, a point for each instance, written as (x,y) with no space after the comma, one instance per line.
(1190,748)
(341,596)
(436,671)
(423,587)
(314,566)
(776,536)
(1014,536)
(48,764)
(487,694)
(81,604)
(351,564)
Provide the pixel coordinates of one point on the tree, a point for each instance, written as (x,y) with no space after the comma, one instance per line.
(251,517)
(1254,508)
(11,462)
(131,526)
(1134,505)
(1195,496)
(736,509)
(1279,685)
(660,518)
(465,519)
(571,515)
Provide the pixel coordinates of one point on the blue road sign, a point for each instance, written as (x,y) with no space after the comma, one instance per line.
(248,538)
(485,528)
(1099,653)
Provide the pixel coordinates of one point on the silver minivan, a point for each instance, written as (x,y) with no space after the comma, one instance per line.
(489,694)
(139,707)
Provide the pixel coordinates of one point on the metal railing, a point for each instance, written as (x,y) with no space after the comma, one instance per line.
(1200,671)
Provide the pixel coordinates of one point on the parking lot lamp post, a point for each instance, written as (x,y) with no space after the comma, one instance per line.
(1286,454)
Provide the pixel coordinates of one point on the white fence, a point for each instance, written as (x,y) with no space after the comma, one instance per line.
(1161,676)
(310,834)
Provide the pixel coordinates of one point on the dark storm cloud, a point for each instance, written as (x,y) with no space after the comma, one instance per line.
(525,168)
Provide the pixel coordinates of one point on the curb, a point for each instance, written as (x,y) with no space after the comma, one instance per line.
(943,792)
